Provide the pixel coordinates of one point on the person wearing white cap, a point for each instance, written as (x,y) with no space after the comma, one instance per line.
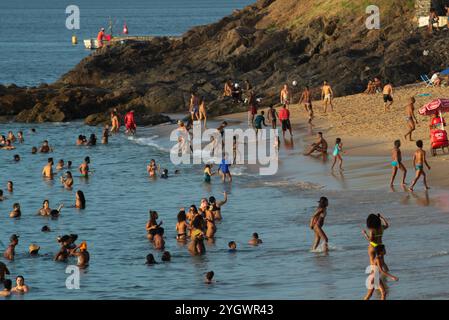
(100,38)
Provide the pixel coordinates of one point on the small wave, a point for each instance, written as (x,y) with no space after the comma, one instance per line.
(302,185)
(439,254)
(148,141)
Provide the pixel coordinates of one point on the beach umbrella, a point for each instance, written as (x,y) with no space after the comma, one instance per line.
(445,72)
(438,105)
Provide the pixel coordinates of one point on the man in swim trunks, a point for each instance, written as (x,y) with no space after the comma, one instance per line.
(272,116)
(327,95)
(320,145)
(285,95)
(194,106)
(388,95)
(47,172)
(306,97)
(259,121)
(419,160)
(10,251)
(284,117)
(130,124)
(84,167)
(410,118)
(223,168)
(396,162)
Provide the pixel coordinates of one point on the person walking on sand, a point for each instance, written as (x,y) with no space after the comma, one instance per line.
(327,95)
(388,95)
(284,117)
(317,222)
(396,162)
(258,122)
(285,97)
(419,160)
(306,98)
(338,149)
(410,118)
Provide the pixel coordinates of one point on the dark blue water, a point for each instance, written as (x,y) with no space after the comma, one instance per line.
(35,45)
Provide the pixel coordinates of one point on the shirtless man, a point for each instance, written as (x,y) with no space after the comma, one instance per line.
(84,167)
(388,95)
(285,95)
(47,172)
(306,98)
(320,145)
(326,95)
(10,251)
(396,162)
(410,118)
(255,241)
(194,106)
(45,148)
(419,160)
(3,271)
(82,254)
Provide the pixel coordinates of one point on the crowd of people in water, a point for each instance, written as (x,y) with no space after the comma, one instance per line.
(199,224)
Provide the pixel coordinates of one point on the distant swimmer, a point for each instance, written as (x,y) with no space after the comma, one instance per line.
(21,287)
(3,271)
(410,118)
(419,160)
(47,171)
(84,168)
(67,180)
(396,163)
(20,138)
(16,158)
(327,95)
(63,253)
(232,246)
(16,212)
(92,140)
(378,267)
(60,165)
(130,123)
(388,96)
(338,150)
(45,147)
(153,168)
(150,260)
(10,250)
(182,226)
(46,210)
(10,187)
(82,254)
(2,197)
(255,241)
(209,277)
(8,145)
(81,141)
(166,256)
(317,222)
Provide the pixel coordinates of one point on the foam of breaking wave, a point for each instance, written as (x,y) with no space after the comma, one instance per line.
(148,141)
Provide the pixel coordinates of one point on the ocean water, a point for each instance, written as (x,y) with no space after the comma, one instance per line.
(119,195)
(35,46)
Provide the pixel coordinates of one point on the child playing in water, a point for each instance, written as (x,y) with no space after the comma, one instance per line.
(338,149)
(208,173)
(317,222)
(378,267)
(396,162)
(255,241)
(419,159)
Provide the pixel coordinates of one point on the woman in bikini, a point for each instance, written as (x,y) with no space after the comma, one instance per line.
(182,226)
(317,222)
(152,226)
(216,206)
(376,224)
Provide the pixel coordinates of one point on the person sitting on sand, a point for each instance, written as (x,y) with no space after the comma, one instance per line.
(396,163)
(8,145)
(284,95)
(435,79)
(84,168)
(377,267)
(320,145)
(67,180)
(16,212)
(209,277)
(21,287)
(316,224)
(6,292)
(338,150)
(82,254)
(419,160)
(10,250)
(47,171)
(255,241)
(388,96)
(410,118)
(45,147)
(376,224)
(182,226)
(327,95)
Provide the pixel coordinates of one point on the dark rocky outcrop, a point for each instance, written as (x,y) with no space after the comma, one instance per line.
(269,43)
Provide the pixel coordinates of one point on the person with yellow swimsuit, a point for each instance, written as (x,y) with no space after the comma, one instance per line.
(376,224)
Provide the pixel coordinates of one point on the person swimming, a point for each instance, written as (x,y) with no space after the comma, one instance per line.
(45,148)
(10,252)
(16,212)
(82,254)
(216,205)
(60,165)
(153,168)
(47,171)
(150,260)
(255,241)
(164,174)
(21,287)
(209,277)
(232,246)
(166,256)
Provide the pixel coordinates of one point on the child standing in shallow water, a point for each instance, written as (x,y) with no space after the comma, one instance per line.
(419,160)
(338,149)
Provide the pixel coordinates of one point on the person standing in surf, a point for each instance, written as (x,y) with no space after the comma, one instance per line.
(130,124)
(396,163)
(316,224)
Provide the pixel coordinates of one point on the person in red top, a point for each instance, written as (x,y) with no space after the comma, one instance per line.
(284,117)
(130,123)
(100,38)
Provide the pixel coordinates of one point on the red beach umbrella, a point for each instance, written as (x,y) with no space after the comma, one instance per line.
(435,106)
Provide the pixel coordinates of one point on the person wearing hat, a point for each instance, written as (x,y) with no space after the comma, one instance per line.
(100,38)
(82,254)
(33,249)
(10,251)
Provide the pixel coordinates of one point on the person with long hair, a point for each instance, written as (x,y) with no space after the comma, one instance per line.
(317,222)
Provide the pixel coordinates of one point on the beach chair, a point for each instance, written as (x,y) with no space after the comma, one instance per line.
(426,80)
